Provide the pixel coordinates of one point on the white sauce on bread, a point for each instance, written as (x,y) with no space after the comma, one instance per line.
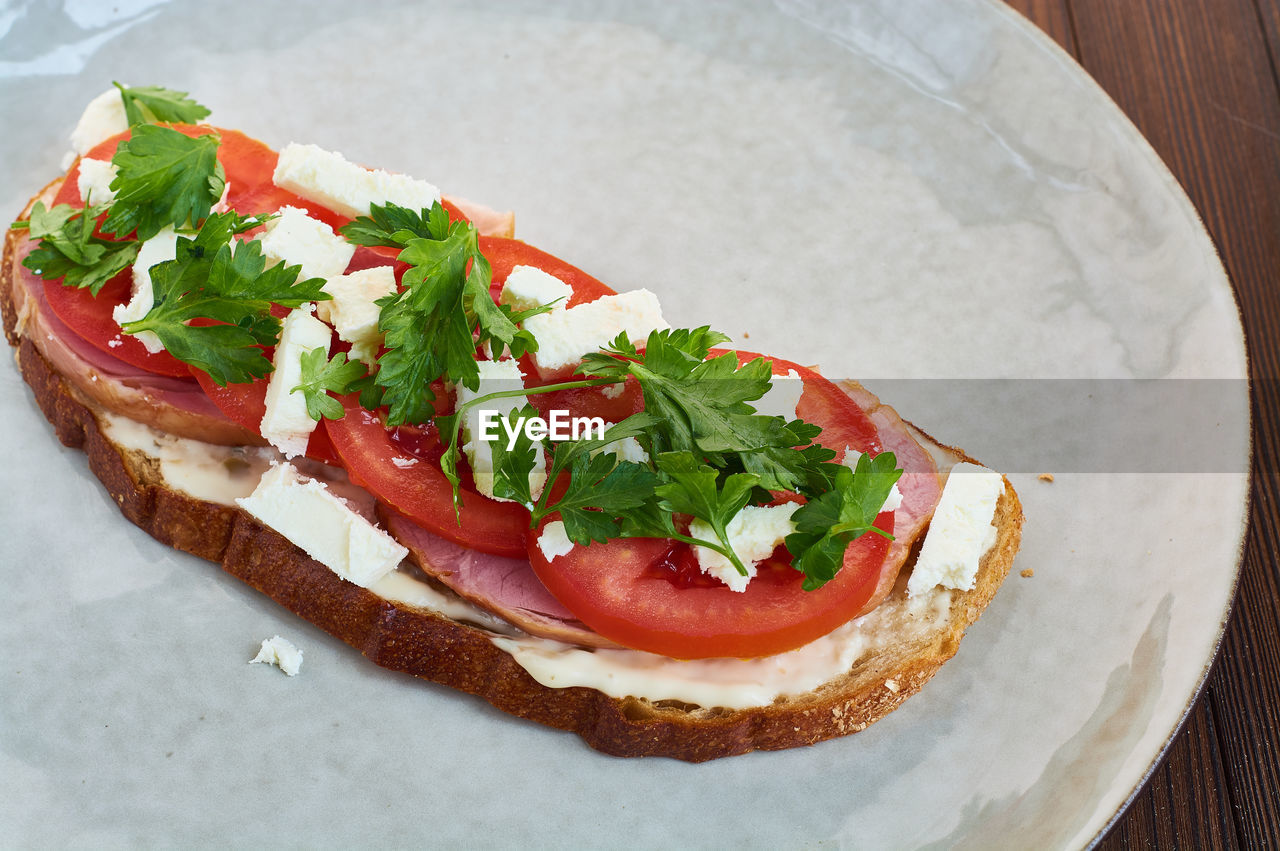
(222,474)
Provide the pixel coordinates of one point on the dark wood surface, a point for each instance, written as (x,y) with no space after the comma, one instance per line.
(1201,80)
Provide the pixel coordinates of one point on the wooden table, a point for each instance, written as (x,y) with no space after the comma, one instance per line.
(1201,79)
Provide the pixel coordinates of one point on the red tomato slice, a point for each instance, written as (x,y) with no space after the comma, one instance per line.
(418,489)
(588,401)
(650,594)
(824,404)
(247,403)
(505,254)
(90,317)
(638,593)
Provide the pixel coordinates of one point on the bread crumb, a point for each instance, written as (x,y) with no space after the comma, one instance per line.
(891,685)
(1027,573)
(746,336)
(1046,477)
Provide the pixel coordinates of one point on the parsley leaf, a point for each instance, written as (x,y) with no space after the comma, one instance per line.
(149,104)
(428,334)
(511,467)
(695,488)
(602,489)
(825,526)
(164,178)
(69,250)
(321,375)
(703,406)
(207,281)
(394,226)
(433,326)
(575,458)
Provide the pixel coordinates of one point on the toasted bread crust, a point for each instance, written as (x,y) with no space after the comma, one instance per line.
(433,647)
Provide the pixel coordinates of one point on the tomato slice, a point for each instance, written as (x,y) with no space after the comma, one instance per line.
(634,591)
(402,468)
(89,316)
(650,594)
(505,254)
(824,404)
(247,403)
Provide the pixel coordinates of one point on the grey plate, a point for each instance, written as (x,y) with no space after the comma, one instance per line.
(928,195)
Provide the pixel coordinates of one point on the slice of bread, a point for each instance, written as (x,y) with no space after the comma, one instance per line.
(428,644)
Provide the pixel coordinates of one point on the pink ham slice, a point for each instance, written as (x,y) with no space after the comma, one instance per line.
(921,485)
(507,587)
(488,221)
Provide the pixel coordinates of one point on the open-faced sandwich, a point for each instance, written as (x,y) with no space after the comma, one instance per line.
(478,464)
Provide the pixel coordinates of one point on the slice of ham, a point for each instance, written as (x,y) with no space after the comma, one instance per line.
(507,587)
(488,221)
(174,405)
(920,485)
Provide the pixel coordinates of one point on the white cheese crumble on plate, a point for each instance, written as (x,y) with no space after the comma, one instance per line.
(280,652)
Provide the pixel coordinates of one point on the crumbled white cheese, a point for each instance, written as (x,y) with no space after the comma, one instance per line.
(352,311)
(286,424)
(312,517)
(280,652)
(495,376)
(626,449)
(554,541)
(103,118)
(528,287)
(781,398)
(754,533)
(961,531)
(893,501)
(159,248)
(564,336)
(327,178)
(94,181)
(296,239)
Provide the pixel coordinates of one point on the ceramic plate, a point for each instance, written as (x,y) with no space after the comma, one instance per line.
(928,196)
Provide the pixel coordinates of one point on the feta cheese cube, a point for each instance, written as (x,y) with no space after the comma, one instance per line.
(280,652)
(320,523)
(528,287)
(103,118)
(626,449)
(286,424)
(352,311)
(94,181)
(554,541)
(296,239)
(161,247)
(495,376)
(754,533)
(961,531)
(565,336)
(782,397)
(894,500)
(327,178)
